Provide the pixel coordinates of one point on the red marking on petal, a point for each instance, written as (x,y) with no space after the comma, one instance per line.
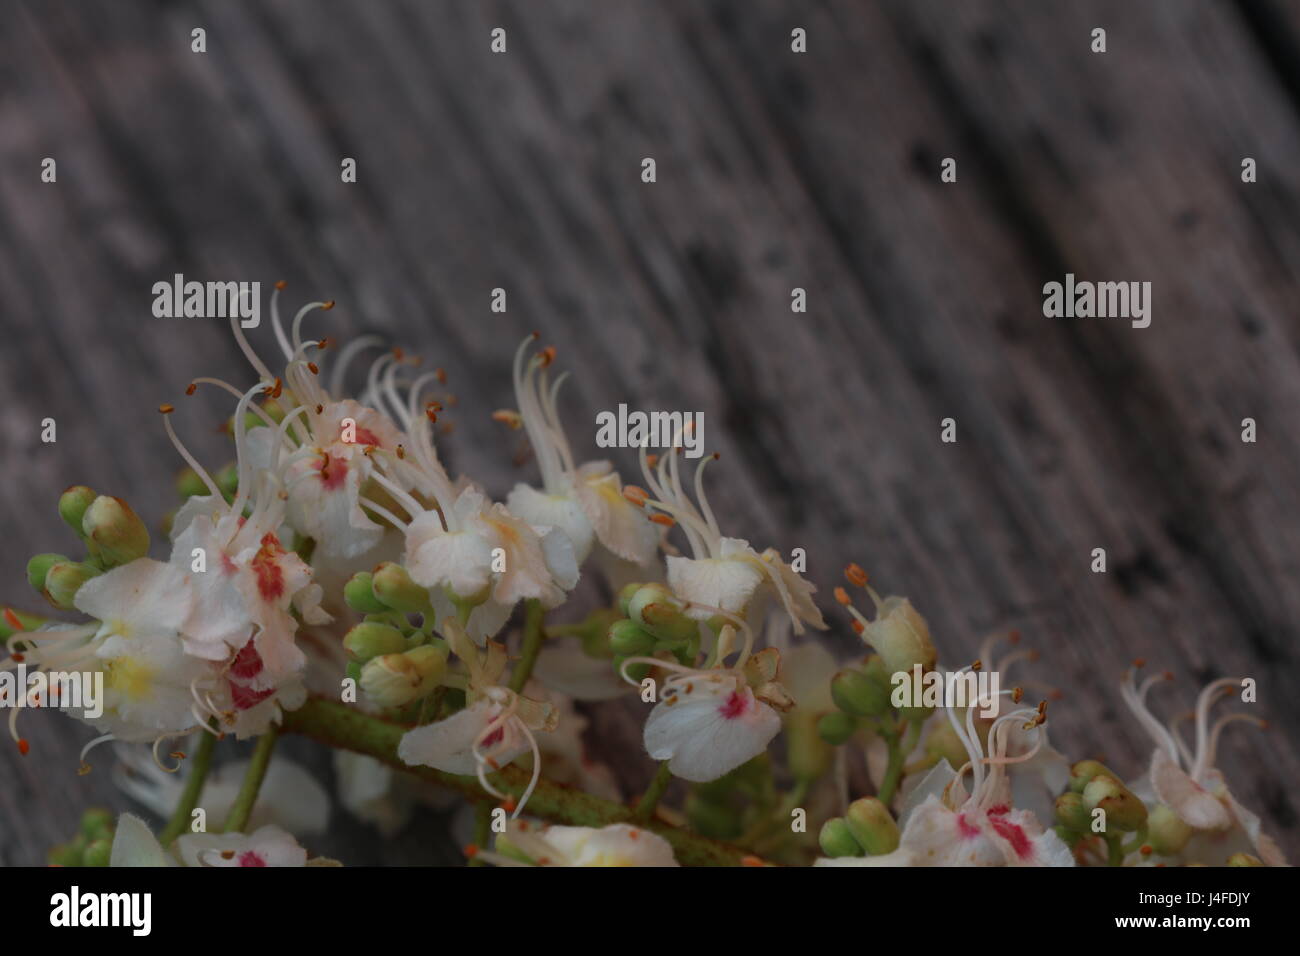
(967,829)
(1014,835)
(247,663)
(495,737)
(366,437)
(245,697)
(333,471)
(228,565)
(734,706)
(249,858)
(999,810)
(266,565)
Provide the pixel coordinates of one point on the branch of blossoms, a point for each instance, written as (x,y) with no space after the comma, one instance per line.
(336,582)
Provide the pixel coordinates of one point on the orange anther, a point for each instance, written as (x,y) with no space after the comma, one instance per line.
(166,409)
(281,284)
(24,746)
(664,520)
(326,306)
(855,575)
(313,368)
(842,596)
(191,389)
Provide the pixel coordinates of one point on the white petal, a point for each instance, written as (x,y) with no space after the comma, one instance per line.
(709,730)
(144,597)
(557,511)
(1194,805)
(448,744)
(615,845)
(135,845)
(621,526)
(713,582)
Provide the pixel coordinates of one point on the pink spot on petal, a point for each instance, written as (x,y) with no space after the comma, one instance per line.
(245,697)
(967,829)
(266,565)
(734,706)
(249,858)
(366,437)
(333,471)
(247,663)
(1014,835)
(495,737)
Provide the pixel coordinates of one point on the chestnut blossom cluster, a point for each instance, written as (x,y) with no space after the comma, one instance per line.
(337,559)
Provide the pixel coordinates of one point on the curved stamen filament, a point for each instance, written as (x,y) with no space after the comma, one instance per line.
(1210,694)
(348,353)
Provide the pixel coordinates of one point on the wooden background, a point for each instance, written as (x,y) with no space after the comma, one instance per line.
(775,170)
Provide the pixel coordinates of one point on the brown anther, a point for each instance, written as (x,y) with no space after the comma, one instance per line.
(842,596)
(326,306)
(319,409)
(178,755)
(470,851)
(858,626)
(1140,662)
(431,413)
(509,805)
(324,343)
(83,769)
(1146,849)
(313,368)
(191,388)
(1042,706)
(664,520)
(635,494)
(281,284)
(976,666)
(652,460)
(23,746)
(441,375)
(1017,695)
(536,335)
(547,356)
(508,417)
(166,409)
(856,576)
(401,451)
(227,854)
(17,658)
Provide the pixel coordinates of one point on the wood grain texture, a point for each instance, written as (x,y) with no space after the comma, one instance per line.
(775,170)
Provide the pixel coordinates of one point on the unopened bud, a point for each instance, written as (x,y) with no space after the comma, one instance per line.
(629,639)
(1123,809)
(39,566)
(856,693)
(369,640)
(837,840)
(114,533)
(872,826)
(73,504)
(1072,814)
(901,637)
(660,612)
(64,580)
(395,679)
(98,853)
(1083,772)
(394,587)
(836,727)
(1166,832)
(360,596)
(625,597)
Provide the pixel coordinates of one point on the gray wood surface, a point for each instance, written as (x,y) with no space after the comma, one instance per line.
(775,170)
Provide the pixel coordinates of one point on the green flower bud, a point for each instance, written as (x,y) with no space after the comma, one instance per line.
(1166,832)
(39,566)
(944,743)
(73,504)
(367,641)
(629,639)
(1124,811)
(1083,771)
(659,611)
(837,840)
(900,636)
(114,533)
(1072,814)
(1244,859)
(98,853)
(625,598)
(873,826)
(360,596)
(857,694)
(64,580)
(395,589)
(396,679)
(836,727)
(97,822)
(190,485)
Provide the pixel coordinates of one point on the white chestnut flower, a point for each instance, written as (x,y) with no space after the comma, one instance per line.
(618,844)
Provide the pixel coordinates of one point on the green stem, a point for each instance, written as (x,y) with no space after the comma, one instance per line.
(893,769)
(180,818)
(242,808)
(338,725)
(533,637)
(645,808)
(482,827)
